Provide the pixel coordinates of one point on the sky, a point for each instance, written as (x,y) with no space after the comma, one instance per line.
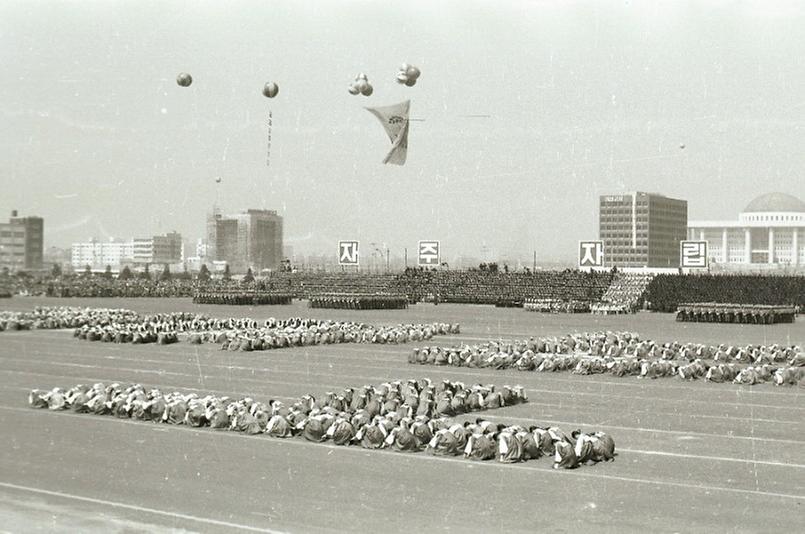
(577,99)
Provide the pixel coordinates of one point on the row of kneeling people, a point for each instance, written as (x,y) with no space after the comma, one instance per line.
(255,337)
(332,419)
(420,398)
(530,353)
(56,317)
(790,373)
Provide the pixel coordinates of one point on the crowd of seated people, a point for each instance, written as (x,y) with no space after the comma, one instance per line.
(666,292)
(556,306)
(483,287)
(625,354)
(412,416)
(625,294)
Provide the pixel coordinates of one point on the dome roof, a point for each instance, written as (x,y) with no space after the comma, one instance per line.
(775,202)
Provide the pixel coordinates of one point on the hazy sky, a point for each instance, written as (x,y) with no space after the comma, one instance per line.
(584,98)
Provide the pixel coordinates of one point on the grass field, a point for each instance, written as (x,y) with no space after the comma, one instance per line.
(693,456)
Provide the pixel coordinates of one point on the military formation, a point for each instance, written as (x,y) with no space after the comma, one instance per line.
(625,354)
(359,302)
(242,298)
(410,416)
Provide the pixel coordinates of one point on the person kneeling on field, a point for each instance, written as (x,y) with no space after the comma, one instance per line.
(565,455)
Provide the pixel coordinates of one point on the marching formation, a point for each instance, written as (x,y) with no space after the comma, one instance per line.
(242,298)
(411,416)
(359,302)
(624,353)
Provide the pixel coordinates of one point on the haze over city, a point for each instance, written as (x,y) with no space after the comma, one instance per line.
(571,100)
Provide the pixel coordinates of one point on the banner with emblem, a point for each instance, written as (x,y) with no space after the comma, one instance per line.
(395,120)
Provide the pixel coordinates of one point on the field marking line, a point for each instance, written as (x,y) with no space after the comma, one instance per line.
(424,457)
(716,458)
(135,508)
(235,434)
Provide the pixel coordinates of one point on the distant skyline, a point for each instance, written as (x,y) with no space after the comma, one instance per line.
(528,111)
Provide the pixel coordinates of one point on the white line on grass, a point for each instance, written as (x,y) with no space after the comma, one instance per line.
(423,457)
(154,511)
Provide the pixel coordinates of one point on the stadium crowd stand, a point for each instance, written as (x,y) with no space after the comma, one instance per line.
(602,291)
(666,292)
(480,287)
(625,294)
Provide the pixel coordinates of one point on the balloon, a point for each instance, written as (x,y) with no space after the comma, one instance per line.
(361,85)
(405,67)
(682,147)
(184,79)
(362,76)
(412,72)
(271,89)
(368,90)
(411,82)
(353,90)
(218,180)
(402,77)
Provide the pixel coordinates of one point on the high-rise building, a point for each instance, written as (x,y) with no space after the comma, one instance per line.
(768,235)
(99,254)
(251,239)
(22,243)
(141,251)
(642,229)
(167,249)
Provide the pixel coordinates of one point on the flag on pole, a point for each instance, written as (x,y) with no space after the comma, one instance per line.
(395,120)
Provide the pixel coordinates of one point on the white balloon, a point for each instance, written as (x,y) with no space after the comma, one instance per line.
(353,90)
(405,67)
(402,77)
(361,85)
(362,76)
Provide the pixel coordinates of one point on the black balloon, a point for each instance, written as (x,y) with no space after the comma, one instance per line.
(184,79)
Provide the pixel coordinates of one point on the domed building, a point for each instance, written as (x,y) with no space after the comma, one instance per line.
(768,234)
